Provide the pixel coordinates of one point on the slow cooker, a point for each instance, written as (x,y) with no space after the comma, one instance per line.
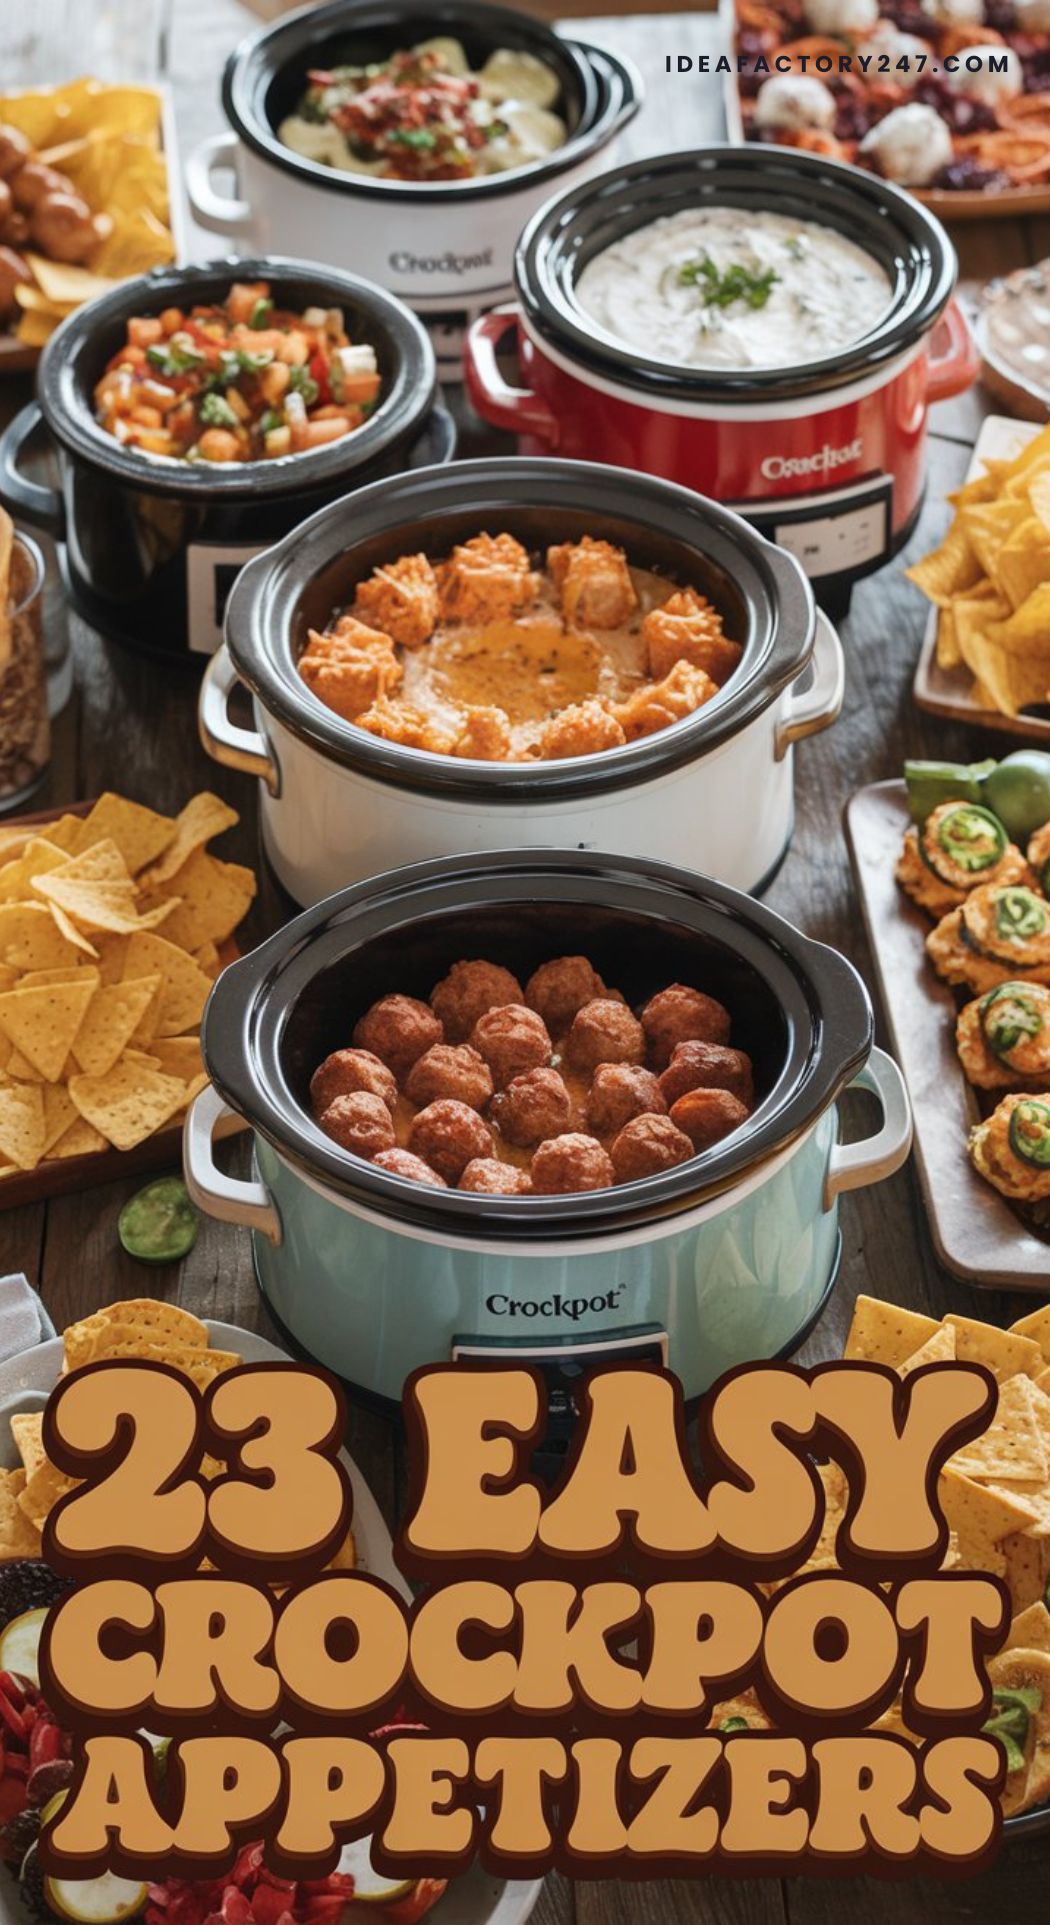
(828,457)
(715,791)
(445,247)
(150,548)
(725,1258)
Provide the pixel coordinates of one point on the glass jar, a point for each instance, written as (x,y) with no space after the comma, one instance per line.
(25,729)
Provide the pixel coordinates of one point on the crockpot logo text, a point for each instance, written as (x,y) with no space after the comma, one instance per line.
(638,1670)
(447,263)
(782,467)
(573,1308)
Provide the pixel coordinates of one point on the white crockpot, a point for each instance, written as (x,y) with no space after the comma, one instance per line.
(712,793)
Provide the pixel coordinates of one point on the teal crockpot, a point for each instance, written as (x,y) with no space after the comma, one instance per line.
(726,1257)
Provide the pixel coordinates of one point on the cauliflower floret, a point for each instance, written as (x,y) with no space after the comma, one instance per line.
(795,101)
(350,668)
(911,145)
(991,88)
(657,705)
(486,579)
(841,17)
(401,598)
(687,629)
(584,729)
(594,581)
(486,736)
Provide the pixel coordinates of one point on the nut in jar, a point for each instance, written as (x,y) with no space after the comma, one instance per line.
(25,736)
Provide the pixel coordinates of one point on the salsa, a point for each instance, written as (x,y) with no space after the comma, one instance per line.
(240,381)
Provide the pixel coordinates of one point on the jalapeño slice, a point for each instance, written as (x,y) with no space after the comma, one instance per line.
(1009,1722)
(1009,1016)
(1030,1132)
(734,1724)
(1019,913)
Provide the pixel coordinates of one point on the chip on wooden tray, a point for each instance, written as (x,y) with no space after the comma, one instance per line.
(109,933)
(990,581)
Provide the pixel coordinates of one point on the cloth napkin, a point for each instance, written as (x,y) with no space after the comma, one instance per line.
(23,1319)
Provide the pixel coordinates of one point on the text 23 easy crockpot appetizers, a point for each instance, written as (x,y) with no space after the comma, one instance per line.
(236,380)
(483,655)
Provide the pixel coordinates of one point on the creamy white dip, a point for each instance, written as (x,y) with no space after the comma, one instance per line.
(806,290)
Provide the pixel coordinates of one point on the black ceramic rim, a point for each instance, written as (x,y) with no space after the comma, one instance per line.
(264,627)
(565,235)
(72,362)
(820,995)
(609,89)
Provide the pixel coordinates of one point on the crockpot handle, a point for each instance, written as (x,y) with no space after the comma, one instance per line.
(29,500)
(821,703)
(213,210)
(226,1198)
(235,748)
(516,409)
(853,1166)
(955,364)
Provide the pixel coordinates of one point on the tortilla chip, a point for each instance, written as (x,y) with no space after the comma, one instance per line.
(1013,1446)
(938,1349)
(30,938)
(204,817)
(110,1022)
(1036,1327)
(211,898)
(345,1558)
(949,654)
(42,1022)
(1003,1352)
(18,1537)
(37,858)
(1031,1629)
(179,1056)
(81,1139)
(128,1104)
(981,1518)
(60,1114)
(139,833)
(185,987)
(102,906)
(165,1323)
(884,1333)
(42,1493)
(1027,1568)
(27,1428)
(1023,562)
(22,1130)
(950,569)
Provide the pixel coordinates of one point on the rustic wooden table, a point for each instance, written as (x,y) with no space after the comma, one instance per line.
(131,724)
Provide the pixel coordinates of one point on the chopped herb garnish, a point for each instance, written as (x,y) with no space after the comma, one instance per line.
(174,358)
(217,413)
(418,137)
(721,287)
(273,418)
(733,1724)
(261,312)
(301,381)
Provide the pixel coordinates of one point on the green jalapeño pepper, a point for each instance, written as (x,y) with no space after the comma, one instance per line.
(972,838)
(733,1724)
(1019,913)
(1008,1017)
(1009,1722)
(1030,1132)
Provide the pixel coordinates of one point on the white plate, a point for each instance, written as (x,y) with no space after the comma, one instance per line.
(26,1382)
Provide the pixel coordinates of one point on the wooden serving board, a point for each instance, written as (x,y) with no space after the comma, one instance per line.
(58,1176)
(948,692)
(976,1232)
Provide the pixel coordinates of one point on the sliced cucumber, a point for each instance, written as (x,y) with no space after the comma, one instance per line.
(370,1887)
(20,1644)
(95,1901)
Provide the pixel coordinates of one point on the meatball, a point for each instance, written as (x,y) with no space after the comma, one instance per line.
(469,989)
(33,181)
(450,1069)
(398,1029)
(571,1162)
(487,1176)
(349,1070)
(532,1107)
(646,1145)
(556,990)
(449,1135)
(512,1040)
(708,1066)
(62,225)
(15,150)
(619,1092)
(681,1015)
(604,1031)
(706,1115)
(360,1123)
(13,273)
(403,1163)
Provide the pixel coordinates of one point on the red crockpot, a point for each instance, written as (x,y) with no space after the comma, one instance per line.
(829,456)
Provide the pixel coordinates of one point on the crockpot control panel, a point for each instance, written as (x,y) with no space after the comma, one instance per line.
(563,1364)
(837,534)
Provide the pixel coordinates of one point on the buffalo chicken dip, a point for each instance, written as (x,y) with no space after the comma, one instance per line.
(713,287)
(487,656)
(424,115)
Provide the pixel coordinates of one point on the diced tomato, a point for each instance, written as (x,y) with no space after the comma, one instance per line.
(12,1798)
(319,371)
